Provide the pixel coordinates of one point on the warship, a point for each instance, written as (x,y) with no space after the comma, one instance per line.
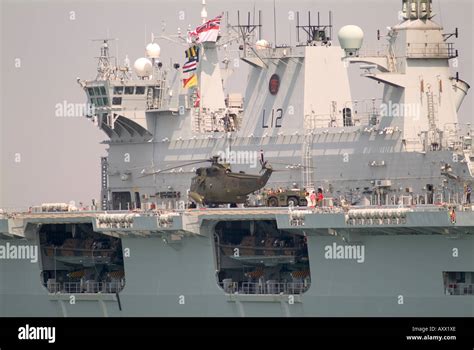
(391,233)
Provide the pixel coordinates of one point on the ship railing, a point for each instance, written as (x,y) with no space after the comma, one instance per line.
(259,251)
(11,210)
(229,287)
(151,213)
(141,212)
(52,251)
(54,287)
(460,289)
(270,52)
(431,50)
(336,209)
(85,287)
(72,287)
(414,207)
(85,211)
(325,121)
(269,287)
(263,209)
(379,51)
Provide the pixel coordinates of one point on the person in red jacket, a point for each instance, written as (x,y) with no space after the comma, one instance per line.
(320,197)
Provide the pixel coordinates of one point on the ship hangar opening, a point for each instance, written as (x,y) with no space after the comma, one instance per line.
(75,259)
(255,257)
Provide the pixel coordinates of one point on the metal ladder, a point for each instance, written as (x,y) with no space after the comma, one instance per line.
(308,180)
(433,132)
(104,182)
(196,120)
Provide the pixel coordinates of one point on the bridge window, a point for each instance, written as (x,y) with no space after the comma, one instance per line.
(140,90)
(116,101)
(129,90)
(347,117)
(118,90)
(98,96)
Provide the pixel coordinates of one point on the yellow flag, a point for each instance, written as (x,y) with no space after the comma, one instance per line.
(190,82)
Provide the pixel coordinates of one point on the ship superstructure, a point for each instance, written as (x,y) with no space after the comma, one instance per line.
(393,236)
(153,123)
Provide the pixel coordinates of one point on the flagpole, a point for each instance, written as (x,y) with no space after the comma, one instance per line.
(274,23)
(201,48)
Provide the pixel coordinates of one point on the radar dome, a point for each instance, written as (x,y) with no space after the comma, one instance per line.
(153,50)
(351,38)
(143,67)
(262,44)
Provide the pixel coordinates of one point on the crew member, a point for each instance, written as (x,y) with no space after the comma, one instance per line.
(452,216)
(312,199)
(320,197)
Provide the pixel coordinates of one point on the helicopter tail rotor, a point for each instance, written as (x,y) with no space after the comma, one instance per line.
(264,163)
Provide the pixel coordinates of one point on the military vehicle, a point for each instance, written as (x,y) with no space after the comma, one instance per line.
(287,197)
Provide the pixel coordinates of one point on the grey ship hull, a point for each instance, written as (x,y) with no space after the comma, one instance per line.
(406,260)
(409,263)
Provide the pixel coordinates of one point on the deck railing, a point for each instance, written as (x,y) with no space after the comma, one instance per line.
(431,50)
(87,287)
(460,289)
(268,288)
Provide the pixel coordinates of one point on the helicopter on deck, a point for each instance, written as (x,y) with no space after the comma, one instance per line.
(218,184)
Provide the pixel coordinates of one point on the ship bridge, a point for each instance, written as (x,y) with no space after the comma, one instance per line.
(119,103)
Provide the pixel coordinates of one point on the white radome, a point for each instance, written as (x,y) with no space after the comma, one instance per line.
(351,37)
(143,67)
(262,44)
(153,50)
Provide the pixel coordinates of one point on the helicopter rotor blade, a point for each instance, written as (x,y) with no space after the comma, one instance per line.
(264,162)
(298,166)
(176,167)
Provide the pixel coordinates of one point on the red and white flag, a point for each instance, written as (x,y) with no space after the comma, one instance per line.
(197,101)
(189,66)
(208,31)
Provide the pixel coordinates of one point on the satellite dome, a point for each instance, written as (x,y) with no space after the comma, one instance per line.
(143,67)
(153,50)
(351,38)
(262,44)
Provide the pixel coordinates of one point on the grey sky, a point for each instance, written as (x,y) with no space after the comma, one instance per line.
(60,157)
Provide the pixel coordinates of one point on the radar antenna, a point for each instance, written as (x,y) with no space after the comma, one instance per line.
(247,31)
(105,68)
(316,33)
